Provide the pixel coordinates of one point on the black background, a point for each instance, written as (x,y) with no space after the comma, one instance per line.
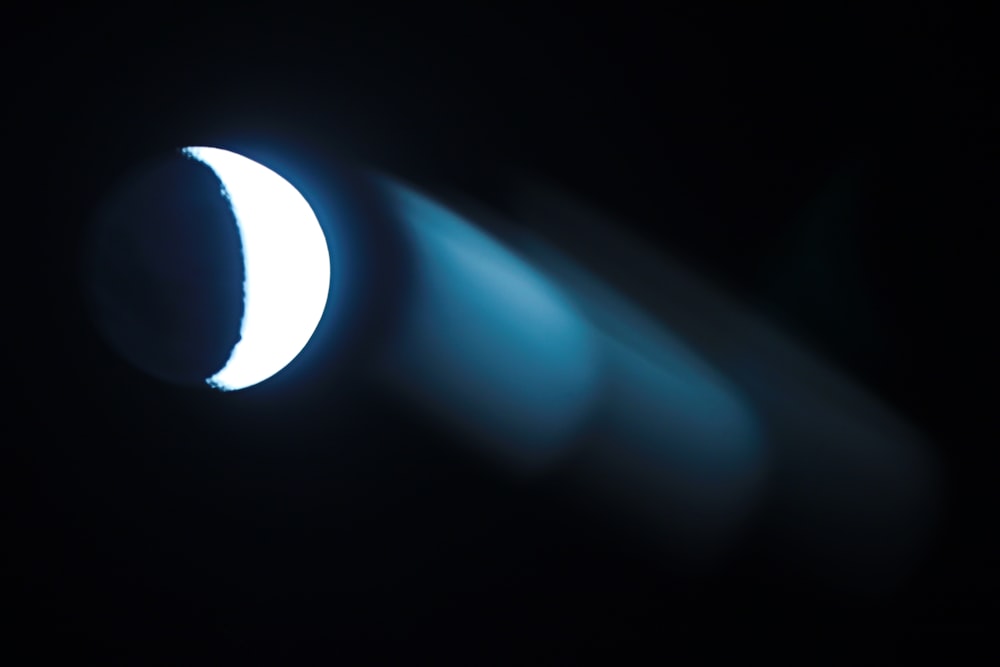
(827,166)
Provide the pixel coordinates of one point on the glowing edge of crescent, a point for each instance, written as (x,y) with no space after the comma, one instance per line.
(286,267)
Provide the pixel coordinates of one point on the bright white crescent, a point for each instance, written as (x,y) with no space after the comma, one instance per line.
(286,266)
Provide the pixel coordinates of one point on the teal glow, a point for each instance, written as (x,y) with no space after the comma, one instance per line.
(490,343)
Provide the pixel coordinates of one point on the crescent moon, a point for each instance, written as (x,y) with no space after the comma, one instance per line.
(286,267)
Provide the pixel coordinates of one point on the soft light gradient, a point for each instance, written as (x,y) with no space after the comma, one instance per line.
(490,344)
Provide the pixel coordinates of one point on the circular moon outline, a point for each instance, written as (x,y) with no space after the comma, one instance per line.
(286,265)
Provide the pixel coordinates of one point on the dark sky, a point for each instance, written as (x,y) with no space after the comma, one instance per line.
(827,166)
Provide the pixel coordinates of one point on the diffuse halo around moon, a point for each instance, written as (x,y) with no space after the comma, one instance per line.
(286,267)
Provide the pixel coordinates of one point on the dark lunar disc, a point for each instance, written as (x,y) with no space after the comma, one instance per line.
(163,271)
